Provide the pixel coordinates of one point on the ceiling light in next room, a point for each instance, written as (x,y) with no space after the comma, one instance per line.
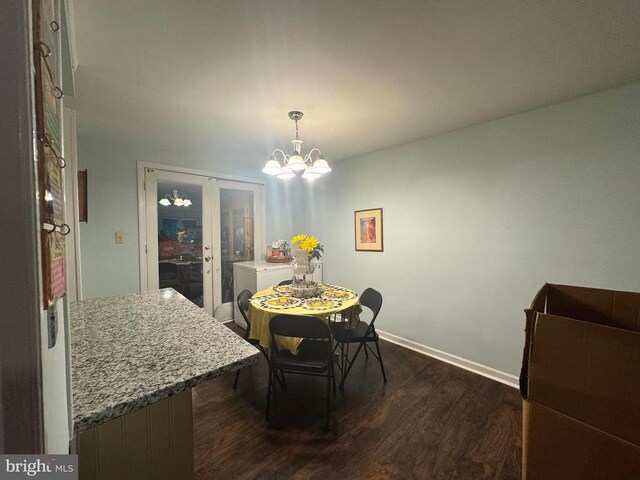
(291,164)
(176,199)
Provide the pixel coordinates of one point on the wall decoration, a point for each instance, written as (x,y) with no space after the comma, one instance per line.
(48,110)
(368,230)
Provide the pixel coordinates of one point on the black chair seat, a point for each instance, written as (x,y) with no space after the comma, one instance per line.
(311,358)
(342,332)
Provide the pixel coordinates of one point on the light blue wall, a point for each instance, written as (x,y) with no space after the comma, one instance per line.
(285,208)
(111,269)
(475,221)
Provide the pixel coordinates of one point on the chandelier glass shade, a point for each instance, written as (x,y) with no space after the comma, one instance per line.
(310,167)
(177,200)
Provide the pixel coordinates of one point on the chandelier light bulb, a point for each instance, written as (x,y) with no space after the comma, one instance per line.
(296,162)
(286,173)
(321,165)
(186,202)
(272,167)
(310,174)
(164,202)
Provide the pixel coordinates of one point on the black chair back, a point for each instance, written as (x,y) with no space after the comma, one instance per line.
(299,326)
(285,282)
(243,305)
(372,299)
(315,353)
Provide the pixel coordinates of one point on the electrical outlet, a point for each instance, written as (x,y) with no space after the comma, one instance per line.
(119,237)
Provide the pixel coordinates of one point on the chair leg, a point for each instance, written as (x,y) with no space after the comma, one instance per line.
(366,353)
(345,352)
(326,420)
(280,379)
(269,394)
(235,382)
(333,380)
(384,375)
(352,362)
(346,366)
(342,365)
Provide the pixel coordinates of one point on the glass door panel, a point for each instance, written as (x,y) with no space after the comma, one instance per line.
(237,236)
(180,244)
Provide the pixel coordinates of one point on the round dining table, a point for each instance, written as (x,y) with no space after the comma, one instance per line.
(268,303)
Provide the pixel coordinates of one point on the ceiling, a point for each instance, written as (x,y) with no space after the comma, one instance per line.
(218,77)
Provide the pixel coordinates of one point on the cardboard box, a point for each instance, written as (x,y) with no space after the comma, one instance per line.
(580,381)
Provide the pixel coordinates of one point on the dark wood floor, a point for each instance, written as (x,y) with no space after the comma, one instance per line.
(430,421)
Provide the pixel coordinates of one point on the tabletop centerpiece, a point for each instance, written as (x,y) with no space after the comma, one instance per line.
(307,248)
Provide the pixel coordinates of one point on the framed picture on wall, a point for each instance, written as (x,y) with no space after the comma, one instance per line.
(368,230)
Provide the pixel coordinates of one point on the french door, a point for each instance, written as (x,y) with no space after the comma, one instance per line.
(239,235)
(179,233)
(196,228)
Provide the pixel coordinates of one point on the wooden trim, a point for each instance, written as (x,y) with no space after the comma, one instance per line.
(475,367)
(203,173)
(21,414)
(83,211)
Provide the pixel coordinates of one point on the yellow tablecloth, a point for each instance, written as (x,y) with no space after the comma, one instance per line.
(270,302)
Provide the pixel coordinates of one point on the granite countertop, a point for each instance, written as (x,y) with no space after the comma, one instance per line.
(129,351)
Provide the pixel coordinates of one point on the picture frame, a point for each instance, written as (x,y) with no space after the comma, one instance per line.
(368,229)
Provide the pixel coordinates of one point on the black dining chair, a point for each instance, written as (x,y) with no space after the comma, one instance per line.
(243,305)
(284,282)
(315,353)
(363,334)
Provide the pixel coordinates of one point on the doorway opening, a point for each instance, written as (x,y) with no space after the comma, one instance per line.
(194,227)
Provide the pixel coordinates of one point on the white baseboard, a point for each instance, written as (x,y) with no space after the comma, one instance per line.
(492,373)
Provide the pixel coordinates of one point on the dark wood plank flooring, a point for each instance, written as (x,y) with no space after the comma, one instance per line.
(430,421)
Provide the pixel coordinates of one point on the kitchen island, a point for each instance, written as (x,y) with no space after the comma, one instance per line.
(135,359)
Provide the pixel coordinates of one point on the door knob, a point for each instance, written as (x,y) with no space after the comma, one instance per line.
(207,258)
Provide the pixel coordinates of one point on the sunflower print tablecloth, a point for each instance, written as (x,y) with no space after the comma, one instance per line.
(270,302)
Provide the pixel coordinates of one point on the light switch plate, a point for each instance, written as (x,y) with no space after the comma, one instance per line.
(119,237)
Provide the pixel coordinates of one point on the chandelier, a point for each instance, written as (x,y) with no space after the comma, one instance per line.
(291,164)
(176,199)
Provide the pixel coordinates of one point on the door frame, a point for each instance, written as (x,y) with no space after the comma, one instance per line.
(142,225)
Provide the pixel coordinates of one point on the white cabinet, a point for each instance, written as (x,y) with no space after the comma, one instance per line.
(260,274)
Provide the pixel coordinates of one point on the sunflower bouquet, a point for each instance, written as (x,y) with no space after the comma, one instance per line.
(308,243)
